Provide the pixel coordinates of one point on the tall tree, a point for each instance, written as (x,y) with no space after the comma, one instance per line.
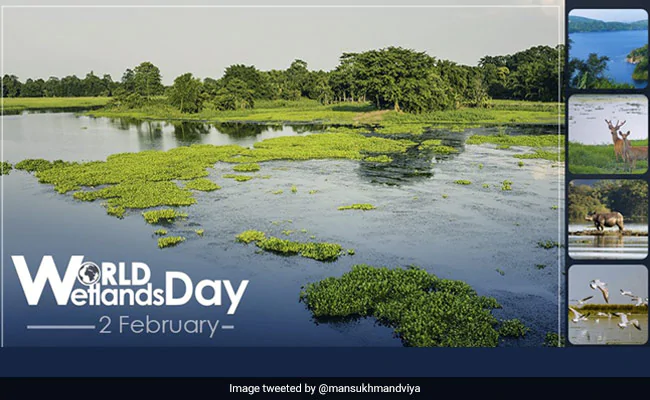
(147,79)
(185,93)
(11,86)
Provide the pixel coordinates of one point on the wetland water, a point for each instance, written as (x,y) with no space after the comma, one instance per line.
(466,236)
(608,247)
(603,330)
(615,45)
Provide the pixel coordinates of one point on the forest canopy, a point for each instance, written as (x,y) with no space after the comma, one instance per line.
(390,78)
(629,197)
(582,24)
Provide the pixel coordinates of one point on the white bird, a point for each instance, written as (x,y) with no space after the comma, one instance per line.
(602,286)
(639,301)
(602,314)
(626,293)
(583,301)
(625,322)
(597,320)
(578,316)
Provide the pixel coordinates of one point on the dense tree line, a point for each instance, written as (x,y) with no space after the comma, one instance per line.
(629,197)
(390,78)
(640,57)
(582,24)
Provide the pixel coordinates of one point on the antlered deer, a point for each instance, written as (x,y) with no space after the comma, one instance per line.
(632,153)
(618,142)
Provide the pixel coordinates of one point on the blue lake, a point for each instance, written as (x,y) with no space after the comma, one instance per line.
(616,46)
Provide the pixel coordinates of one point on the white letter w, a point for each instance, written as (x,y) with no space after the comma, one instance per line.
(47,272)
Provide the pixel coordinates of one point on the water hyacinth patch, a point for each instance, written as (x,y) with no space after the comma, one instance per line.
(552,339)
(318,251)
(423,309)
(549,244)
(39,164)
(506,185)
(294,189)
(238,178)
(165,215)
(250,236)
(520,164)
(117,211)
(463,182)
(160,232)
(513,328)
(202,184)
(252,167)
(364,207)
(170,241)
(5,168)
(200,232)
(486,185)
(378,159)
(279,191)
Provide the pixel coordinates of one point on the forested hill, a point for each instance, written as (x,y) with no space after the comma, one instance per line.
(640,57)
(582,24)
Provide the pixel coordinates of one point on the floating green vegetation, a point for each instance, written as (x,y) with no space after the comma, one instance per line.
(160,232)
(165,215)
(317,251)
(303,230)
(39,164)
(552,339)
(251,236)
(351,252)
(543,155)
(5,168)
(513,328)
(117,211)
(416,197)
(444,195)
(294,189)
(138,195)
(378,159)
(287,232)
(462,182)
(443,149)
(506,185)
(313,191)
(279,191)
(486,185)
(500,271)
(520,164)
(200,232)
(364,207)
(238,178)
(430,143)
(169,241)
(503,146)
(540,266)
(18,104)
(202,184)
(423,309)
(549,244)
(480,166)
(252,167)
(554,207)
(517,140)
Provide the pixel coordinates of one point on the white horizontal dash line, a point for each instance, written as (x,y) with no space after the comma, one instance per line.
(227,326)
(61,326)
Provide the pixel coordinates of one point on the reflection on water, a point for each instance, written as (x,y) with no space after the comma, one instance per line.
(100,137)
(608,247)
(603,330)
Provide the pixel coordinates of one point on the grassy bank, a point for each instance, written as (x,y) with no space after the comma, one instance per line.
(601,159)
(612,308)
(306,111)
(13,105)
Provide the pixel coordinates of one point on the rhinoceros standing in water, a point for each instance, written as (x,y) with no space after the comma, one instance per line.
(603,220)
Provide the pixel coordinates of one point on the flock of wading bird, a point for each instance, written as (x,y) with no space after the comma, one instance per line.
(602,287)
(622,147)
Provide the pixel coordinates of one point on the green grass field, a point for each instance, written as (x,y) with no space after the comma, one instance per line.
(12,105)
(600,159)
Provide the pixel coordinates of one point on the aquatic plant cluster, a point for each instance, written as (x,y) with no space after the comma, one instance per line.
(202,184)
(5,168)
(424,310)
(169,241)
(538,142)
(165,215)
(320,251)
(364,207)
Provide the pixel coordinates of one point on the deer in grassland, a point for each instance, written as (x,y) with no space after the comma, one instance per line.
(632,153)
(618,142)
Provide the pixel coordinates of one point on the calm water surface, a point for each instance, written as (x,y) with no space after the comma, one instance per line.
(466,236)
(615,45)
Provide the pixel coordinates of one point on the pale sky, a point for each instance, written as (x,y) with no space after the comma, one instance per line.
(43,42)
(618,15)
(632,278)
